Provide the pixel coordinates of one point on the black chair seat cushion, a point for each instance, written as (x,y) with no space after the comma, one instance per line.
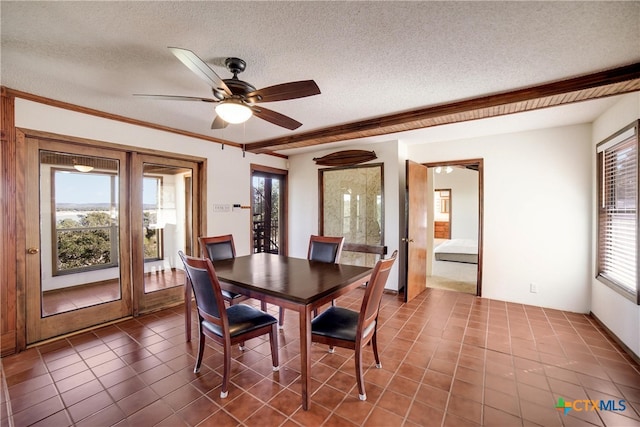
(337,322)
(242,318)
(228,295)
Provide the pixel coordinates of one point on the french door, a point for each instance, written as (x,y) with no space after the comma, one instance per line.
(162,224)
(77,268)
(102,231)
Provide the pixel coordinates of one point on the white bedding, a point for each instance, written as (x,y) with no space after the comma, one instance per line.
(457,250)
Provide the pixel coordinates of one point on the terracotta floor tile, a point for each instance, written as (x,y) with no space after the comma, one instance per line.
(266,416)
(354,410)
(138,400)
(81,392)
(395,402)
(39,411)
(89,406)
(315,416)
(151,414)
(496,418)
(243,405)
(34,397)
(465,408)
(424,415)
(437,370)
(59,419)
(110,415)
(126,388)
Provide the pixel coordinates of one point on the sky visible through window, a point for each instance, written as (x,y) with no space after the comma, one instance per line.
(88,188)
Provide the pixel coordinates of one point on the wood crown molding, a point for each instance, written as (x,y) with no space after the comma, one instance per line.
(90,111)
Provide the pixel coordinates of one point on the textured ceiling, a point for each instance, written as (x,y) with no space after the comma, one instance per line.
(368,58)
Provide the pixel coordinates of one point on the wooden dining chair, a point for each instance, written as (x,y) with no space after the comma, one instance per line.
(323,249)
(217,248)
(342,327)
(226,326)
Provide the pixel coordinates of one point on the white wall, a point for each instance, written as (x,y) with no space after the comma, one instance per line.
(620,315)
(303,199)
(537,212)
(228,174)
(464,201)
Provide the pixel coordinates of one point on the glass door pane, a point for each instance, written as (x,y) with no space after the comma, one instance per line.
(79,202)
(352,206)
(165,220)
(266,208)
(77,270)
(166,224)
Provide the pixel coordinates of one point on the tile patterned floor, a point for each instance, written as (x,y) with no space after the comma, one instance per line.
(448,359)
(67,299)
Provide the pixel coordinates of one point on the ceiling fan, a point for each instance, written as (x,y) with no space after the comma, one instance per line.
(237,99)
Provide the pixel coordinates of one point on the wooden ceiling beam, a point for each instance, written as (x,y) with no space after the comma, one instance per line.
(592,86)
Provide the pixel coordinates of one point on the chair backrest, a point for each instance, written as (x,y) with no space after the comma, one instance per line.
(373,293)
(206,288)
(325,249)
(217,248)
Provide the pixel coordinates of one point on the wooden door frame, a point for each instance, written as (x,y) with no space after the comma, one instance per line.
(142,302)
(37,327)
(18,245)
(472,164)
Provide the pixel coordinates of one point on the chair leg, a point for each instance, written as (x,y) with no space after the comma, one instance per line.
(374,345)
(224,391)
(196,369)
(263,306)
(281,318)
(273,339)
(358,357)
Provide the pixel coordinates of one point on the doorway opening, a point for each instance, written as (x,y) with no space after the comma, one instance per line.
(454,237)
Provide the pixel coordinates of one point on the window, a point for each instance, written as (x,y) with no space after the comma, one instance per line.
(86,226)
(351,205)
(151,204)
(617,211)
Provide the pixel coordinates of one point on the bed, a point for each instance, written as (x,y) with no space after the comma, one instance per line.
(457,250)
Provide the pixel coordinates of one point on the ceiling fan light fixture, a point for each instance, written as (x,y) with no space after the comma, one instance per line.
(233,111)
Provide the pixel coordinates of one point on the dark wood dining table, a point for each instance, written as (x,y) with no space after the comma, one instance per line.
(293,283)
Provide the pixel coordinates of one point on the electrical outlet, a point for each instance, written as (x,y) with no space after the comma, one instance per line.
(533,288)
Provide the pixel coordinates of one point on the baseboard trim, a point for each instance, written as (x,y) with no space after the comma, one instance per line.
(627,350)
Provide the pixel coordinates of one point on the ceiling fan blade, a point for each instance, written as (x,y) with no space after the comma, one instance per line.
(218,123)
(175,97)
(284,91)
(201,69)
(276,118)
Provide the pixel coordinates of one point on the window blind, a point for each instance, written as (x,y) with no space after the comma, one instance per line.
(618,215)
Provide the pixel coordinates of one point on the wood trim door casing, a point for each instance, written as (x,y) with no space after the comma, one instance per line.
(10,300)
